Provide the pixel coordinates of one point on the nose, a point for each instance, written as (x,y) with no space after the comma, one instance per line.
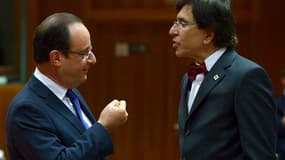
(92,58)
(173,30)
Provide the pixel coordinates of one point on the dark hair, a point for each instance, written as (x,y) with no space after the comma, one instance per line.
(53,34)
(216,16)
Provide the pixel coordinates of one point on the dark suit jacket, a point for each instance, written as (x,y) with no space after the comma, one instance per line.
(280,104)
(233,115)
(40,127)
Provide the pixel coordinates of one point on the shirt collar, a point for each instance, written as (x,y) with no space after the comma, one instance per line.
(213,58)
(58,90)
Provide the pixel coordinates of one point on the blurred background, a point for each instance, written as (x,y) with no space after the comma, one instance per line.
(135,61)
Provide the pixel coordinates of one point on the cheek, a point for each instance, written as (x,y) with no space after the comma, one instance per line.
(187,41)
(192,39)
(71,68)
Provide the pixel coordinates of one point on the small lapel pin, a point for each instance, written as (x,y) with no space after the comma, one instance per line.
(216,77)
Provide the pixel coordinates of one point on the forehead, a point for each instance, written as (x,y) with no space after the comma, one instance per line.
(185,13)
(79,35)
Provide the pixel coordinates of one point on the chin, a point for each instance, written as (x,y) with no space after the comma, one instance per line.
(84,79)
(180,54)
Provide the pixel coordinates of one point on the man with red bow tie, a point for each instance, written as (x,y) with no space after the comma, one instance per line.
(226,109)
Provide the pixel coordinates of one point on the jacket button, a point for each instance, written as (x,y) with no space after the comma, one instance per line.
(187,133)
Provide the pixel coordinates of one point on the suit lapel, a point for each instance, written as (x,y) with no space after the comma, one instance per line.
(184,99)
(56,104)
(214,77)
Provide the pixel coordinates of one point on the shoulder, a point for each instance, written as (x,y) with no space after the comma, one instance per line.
(243,66)
(26,102)
(242,63)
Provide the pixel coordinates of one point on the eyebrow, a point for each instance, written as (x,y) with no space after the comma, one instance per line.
(182,19)
(88,48)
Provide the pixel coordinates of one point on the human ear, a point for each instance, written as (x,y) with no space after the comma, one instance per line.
(55,57)
(209,36)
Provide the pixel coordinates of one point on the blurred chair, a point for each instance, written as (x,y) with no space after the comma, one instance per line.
(7,92)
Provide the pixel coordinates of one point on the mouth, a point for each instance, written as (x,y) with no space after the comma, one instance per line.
(175,44)
(85,70)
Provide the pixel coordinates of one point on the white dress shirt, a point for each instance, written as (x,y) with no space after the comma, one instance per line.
(209,62)
(60,92)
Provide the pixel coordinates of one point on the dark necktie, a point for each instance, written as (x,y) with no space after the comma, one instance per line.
(195,69)
(76,105)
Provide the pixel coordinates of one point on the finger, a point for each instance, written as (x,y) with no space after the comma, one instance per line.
(114,103)
(123,104)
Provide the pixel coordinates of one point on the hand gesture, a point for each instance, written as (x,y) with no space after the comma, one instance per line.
(113,115)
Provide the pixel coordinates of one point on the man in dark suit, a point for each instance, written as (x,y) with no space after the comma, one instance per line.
(280,104)
(49,119)
(226,110)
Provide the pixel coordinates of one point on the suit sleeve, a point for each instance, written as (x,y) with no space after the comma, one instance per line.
(256,115)
(35,137)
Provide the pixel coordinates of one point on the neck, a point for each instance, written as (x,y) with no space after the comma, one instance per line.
(49,71)
(206,52)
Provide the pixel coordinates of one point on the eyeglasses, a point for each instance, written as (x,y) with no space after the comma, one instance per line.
(182,24)
(84,54)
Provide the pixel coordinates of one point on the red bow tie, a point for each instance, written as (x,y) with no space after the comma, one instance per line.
(195,69)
